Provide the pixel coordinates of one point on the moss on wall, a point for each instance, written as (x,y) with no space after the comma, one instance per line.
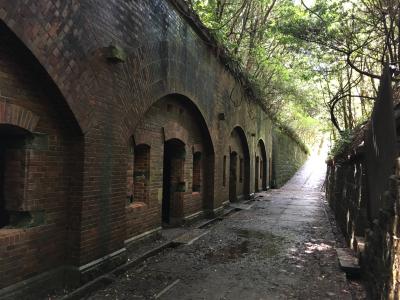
(287,157)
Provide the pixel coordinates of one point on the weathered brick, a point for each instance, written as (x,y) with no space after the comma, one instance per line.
(56,80)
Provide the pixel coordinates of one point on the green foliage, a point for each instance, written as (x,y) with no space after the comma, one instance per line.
(278,71)
(342,144)
(348,139)
(313,68)
(290,132)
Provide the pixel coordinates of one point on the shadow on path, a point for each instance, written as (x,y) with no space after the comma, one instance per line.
(281,248)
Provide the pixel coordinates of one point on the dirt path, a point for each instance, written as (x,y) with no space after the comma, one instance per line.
(281,248)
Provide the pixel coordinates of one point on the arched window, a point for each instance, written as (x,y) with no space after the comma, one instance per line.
(196,185)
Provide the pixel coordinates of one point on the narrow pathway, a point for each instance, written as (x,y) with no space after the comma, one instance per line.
(281,248)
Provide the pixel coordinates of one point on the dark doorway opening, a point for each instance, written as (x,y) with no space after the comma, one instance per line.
(232,177)
(173,182)
(256,175)
(12,156)
(263,165)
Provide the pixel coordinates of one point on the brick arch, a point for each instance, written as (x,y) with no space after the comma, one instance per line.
(240,131)
(43,172)
(246,153)
(177,78)
(207,147)
(18,116)
(82,115)
(173,130)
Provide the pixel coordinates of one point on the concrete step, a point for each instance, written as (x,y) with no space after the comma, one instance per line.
(348,261)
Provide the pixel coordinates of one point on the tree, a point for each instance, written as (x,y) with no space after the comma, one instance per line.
(273,64)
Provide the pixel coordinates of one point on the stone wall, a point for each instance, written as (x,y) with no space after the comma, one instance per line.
(362,187)
(375,242)
(287,157)
(346,192)
(89,82)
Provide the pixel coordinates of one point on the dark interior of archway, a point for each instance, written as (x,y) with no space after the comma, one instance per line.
(174,155)
(257,174)
(245,165)
(264,165)
(12,139)
(232,176)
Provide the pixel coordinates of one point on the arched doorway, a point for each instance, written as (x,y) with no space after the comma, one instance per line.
(181,182)
(263,166)
(233,174)
(257,172)
(239,166)
(174,185)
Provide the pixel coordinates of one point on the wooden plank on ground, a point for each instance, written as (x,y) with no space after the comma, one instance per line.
(348,261)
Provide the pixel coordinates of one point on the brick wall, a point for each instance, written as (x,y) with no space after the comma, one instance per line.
(287,158)
(40,156)
(346,193)
(87,108)
(374,241)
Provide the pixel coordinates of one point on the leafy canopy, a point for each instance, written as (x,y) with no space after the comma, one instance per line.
(316,63)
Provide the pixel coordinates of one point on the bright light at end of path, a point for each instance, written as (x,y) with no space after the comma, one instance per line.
(316,161)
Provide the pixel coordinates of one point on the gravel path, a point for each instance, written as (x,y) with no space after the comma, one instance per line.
(281,248)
